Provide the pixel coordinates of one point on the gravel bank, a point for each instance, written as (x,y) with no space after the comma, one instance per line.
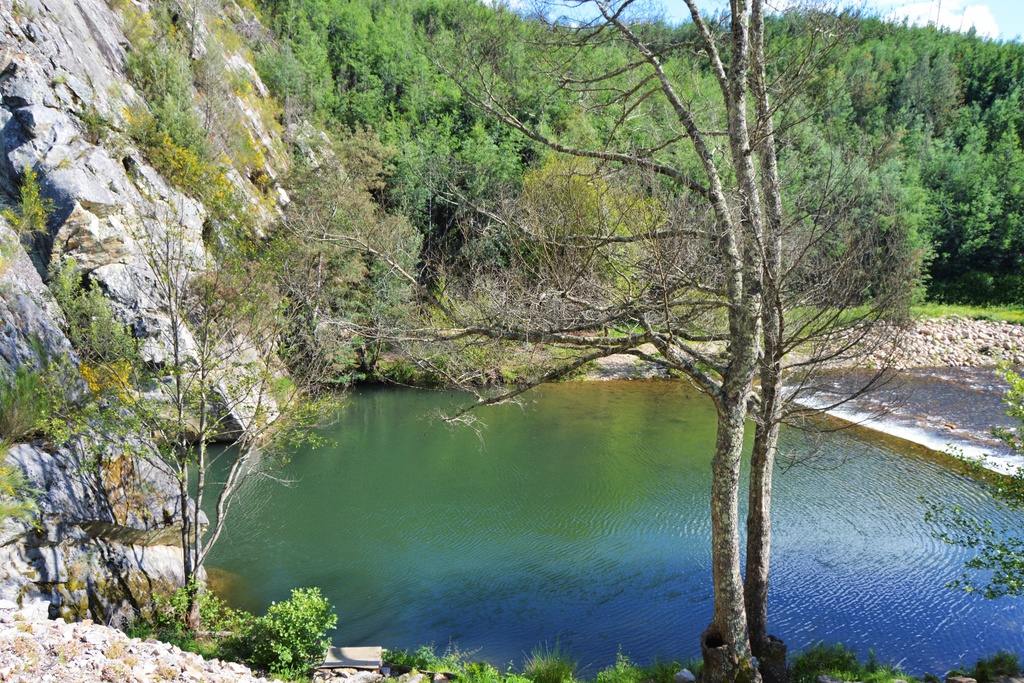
(959,342)
(951,342)
(34,649)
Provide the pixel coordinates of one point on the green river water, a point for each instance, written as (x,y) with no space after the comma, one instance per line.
(581,517)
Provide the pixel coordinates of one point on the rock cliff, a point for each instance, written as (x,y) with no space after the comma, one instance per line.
(105,538)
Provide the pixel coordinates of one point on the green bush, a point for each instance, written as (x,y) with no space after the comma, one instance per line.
(168,625)
(15,499)
(292,635)
(30,214)
(162,70)
(93,330)
(23,405)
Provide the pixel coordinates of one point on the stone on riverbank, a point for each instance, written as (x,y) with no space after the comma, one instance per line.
(957,342)
(36,649)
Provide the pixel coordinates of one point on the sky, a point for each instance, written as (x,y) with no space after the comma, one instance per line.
(1002,19)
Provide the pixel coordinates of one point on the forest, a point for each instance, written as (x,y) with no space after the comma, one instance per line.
(935,116)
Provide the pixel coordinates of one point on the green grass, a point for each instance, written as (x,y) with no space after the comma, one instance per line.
(986,670)
(1013,314)
(839,662)
(661,671)
(546,664)
(426,658)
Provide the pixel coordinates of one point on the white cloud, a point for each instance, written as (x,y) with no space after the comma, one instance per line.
(956,15)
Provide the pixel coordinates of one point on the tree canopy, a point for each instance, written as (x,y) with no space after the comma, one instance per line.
(942,110)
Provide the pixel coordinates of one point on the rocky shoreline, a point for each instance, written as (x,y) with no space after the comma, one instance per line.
(36,649)
(951,342)
(959,342)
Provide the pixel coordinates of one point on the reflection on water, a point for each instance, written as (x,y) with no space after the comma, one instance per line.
(583,518)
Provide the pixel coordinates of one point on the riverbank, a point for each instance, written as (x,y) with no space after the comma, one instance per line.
(35,649)
(946,394)
(957,342)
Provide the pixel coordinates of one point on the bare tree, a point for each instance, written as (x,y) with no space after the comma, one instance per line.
(670,226)
(216,376)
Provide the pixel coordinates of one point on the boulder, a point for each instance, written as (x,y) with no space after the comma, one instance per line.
(684,676)
(90,242)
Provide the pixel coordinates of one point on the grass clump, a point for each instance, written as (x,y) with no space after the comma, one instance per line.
(550,665)
(426,658)
(841,662)
(625,671)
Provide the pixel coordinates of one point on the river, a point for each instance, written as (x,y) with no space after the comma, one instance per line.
(581,517)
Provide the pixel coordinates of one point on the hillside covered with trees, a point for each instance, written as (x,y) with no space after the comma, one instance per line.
(934,115)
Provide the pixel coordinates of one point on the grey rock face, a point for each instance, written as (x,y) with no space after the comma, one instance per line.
(29,318)
(105,537)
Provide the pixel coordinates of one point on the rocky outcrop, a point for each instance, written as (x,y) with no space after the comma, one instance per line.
(62,67)
(35,649)
(105,538)
(29,319)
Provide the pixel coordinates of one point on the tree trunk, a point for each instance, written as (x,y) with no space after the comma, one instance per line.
(770,651)
(725,644)
(762,464)
(192,619)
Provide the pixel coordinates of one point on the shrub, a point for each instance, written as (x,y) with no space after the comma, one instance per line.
(29,216)
(96,124)
(550,665)
(168,624)
(92,328)
(14,494)
(23,405)
(161,69)
(292,635)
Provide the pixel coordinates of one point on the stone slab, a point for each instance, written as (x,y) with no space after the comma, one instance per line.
(352,658)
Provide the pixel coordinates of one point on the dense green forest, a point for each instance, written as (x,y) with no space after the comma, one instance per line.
(934,117)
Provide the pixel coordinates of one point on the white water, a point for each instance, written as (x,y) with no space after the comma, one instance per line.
(949,410)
